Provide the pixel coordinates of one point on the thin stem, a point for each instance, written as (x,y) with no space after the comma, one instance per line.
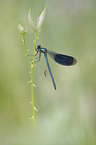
(36,28)
(23,39)
(32,87)
(32,68)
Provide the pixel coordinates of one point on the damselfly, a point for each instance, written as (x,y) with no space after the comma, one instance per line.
(59,58)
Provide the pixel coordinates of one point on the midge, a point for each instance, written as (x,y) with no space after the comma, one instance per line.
(59,58)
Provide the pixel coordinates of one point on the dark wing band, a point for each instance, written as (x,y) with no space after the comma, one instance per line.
(65,59)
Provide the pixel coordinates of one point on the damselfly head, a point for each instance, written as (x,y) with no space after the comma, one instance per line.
(38,47)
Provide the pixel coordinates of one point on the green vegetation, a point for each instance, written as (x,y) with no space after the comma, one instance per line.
(36,28)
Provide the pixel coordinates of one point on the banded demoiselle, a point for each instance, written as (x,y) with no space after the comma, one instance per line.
(59,58)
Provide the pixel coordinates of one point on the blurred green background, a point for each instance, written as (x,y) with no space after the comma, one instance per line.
(66,116)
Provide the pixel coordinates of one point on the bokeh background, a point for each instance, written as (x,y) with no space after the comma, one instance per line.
(67,116)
